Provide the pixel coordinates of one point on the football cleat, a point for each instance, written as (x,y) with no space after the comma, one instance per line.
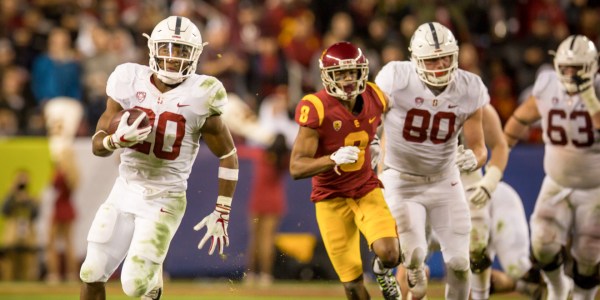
(387,282)
(156,292)
(417,282)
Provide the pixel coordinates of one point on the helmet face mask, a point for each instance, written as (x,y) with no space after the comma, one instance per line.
(175,46)
(431,43)
(344,70)
(576,56)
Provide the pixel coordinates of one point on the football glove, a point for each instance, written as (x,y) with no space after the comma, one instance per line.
(481,192)
(216,229)
(465,159)
(375,148)
(588,94)
(345,155)
(129,135)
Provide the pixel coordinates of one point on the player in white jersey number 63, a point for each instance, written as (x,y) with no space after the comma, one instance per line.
(568,204)
(139,218)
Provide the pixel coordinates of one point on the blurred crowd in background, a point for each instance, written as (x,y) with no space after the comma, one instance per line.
(257,48)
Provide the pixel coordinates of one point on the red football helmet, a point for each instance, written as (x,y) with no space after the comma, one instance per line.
(343,56)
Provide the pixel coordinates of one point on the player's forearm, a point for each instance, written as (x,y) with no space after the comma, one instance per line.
(514,129)
(499,156)
(481,155)
(228,175)
(308,167)
(98,147)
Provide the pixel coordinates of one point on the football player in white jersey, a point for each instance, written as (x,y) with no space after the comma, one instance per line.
(431,102)
(498,219)
(144,209)
(568,205)
(499,224)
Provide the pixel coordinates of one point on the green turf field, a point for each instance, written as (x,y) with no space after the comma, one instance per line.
(207,290)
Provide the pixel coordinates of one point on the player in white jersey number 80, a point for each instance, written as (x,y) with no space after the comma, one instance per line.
(146,205)
(431,102)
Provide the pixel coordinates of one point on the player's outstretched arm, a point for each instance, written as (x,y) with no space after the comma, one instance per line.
(218,139)
(518,124)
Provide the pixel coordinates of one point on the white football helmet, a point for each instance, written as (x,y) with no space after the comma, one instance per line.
(434,40)
(178,41)
(575,51)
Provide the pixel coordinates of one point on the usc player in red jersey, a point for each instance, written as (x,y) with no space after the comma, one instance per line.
(337,125)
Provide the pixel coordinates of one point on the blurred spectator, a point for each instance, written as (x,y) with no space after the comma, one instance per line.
(60,240)
(267,69)
(267,198)
(20,209)
(96,69)
(9,123)
(468,58)
(300,43)
(10,16)
(63,116)
(57,72)
(503,96)
(222,59)
(15,94)
(31,39)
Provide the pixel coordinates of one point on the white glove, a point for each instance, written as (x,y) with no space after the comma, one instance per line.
(588,95)
(345,155)
(129,135)
(481,192)
(465,159)
(216,229)
(375,148)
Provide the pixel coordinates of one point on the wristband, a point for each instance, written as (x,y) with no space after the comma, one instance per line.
(97,132)
(224,201)
(108,143)
(228,173)
(493,173)
(232,152)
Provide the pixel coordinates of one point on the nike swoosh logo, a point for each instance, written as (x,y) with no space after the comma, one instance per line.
(371,120)
(182,105)
(452,106)
(165,211)
(122,139)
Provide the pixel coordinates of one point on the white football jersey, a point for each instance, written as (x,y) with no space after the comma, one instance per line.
(421,129)
(164,160)
(572,152)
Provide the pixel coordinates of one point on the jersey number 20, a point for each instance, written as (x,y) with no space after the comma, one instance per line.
(172,152)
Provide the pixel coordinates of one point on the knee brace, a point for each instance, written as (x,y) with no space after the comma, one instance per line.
(93,268)
(480,261)
(556,261)
(458,264)
(135,287)
(137,275)
(583,281)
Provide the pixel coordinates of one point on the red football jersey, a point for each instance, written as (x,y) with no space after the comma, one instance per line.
(338,127)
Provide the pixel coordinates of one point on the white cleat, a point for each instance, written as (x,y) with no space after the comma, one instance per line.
(156,292)
(417,282)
